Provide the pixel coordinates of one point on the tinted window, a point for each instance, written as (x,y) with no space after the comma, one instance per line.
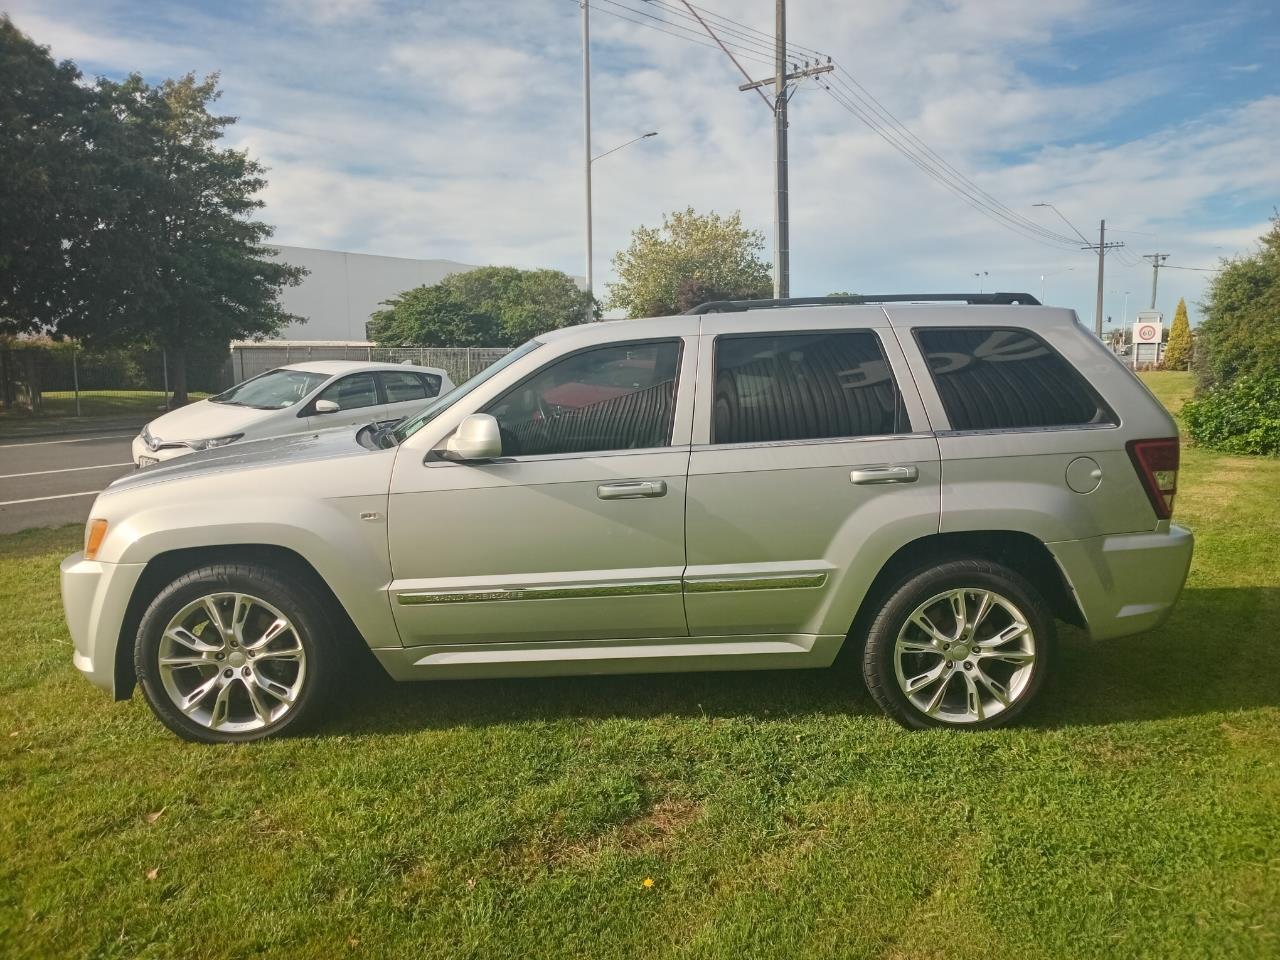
(403,387)
(804,387)
(611,398)
(353,392)
(994,379)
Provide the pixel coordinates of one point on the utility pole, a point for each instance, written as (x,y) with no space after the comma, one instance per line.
(778,106)
(1102,247)
(1156,259)
(586,143)
(1102,262)
(781,213)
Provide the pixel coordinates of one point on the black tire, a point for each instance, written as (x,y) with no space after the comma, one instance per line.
(878,659)
(293,597)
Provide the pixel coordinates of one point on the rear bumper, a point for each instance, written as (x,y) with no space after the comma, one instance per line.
(1128,583)
(95,596)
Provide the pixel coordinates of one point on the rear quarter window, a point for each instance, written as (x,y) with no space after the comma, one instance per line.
(1001,378)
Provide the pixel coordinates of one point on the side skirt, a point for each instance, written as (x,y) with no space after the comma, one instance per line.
(590,657)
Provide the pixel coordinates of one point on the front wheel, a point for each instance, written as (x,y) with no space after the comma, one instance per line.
(235,652)
(966,644)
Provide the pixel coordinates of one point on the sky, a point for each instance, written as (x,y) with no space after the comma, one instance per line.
(454,130)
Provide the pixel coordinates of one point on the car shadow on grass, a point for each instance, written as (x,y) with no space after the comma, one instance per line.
(1217,653)
(1214,655)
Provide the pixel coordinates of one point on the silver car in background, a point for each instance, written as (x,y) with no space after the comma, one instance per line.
(750,486)
(296,398)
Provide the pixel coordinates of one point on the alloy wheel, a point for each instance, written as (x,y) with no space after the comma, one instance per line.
(232,662)
(964,656)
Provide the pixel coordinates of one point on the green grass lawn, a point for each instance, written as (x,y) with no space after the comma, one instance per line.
(59,405)
(1137,814)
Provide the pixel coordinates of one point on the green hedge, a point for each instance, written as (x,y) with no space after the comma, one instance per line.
(1240,417)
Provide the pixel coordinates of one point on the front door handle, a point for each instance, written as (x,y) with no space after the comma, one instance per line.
(632,490)
(909,473)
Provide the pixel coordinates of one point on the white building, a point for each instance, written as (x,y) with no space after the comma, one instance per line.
(343,289)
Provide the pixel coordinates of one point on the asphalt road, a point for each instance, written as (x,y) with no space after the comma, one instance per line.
(47,483)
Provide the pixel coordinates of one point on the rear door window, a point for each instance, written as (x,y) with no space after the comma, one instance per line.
(804,386)
(995,378)
(403,387)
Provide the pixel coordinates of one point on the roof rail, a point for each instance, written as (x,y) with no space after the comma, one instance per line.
(976,299)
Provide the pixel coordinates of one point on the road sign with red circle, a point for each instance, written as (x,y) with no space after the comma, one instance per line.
(1145,332)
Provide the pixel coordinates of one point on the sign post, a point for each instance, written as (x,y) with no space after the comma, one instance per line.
(1148,334)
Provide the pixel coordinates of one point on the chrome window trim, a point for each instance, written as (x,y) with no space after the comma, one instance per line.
(998,431)
(875,438)
(498,461)
(634,588)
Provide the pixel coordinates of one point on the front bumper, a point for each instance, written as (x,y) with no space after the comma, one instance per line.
(1127,583)
(143,456)
(95,596)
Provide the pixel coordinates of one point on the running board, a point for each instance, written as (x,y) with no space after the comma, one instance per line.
(583,657)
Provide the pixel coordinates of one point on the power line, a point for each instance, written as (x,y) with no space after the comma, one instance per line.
(991,212)
(865,97)
(729,25)
(751,44)
(595,5)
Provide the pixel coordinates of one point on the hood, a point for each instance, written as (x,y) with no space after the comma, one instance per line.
(204,419)
(337,443)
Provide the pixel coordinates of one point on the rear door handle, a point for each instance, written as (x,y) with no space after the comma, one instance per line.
(909,473)
(632,490)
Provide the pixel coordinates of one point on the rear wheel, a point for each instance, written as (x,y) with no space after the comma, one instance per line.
(967,644)
(235,652)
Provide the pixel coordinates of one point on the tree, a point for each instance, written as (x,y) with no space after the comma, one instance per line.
(1239,333)
(49,184)
(485,307)
(179,259)
(432,316)
(713,257)
(1177,352)
(523,303)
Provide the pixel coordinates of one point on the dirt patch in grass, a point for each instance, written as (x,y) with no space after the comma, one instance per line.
(653,832)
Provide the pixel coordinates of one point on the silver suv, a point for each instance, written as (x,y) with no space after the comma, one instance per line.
(751,486)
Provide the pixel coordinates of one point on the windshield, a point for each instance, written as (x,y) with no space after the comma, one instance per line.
(409,427)
(273,390)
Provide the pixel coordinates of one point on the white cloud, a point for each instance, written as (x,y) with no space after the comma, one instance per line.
(455,131)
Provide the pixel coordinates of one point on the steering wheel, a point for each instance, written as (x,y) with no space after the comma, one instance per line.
(543,410)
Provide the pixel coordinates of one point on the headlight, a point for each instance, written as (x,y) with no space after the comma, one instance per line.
(215,442)
(150,442)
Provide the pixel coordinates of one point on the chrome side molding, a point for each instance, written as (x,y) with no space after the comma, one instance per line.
(640,588)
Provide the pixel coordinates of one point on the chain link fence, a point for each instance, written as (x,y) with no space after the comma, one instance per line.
(43,379)
(63,380)
(460,363)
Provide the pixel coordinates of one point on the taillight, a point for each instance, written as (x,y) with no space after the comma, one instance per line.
(1157,464)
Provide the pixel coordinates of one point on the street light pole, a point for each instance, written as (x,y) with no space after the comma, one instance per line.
(1044,290)
(982,280)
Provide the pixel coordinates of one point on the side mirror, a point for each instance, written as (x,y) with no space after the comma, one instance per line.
(477,438)
(326,406)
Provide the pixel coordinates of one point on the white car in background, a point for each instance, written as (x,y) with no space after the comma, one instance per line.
(292,399)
